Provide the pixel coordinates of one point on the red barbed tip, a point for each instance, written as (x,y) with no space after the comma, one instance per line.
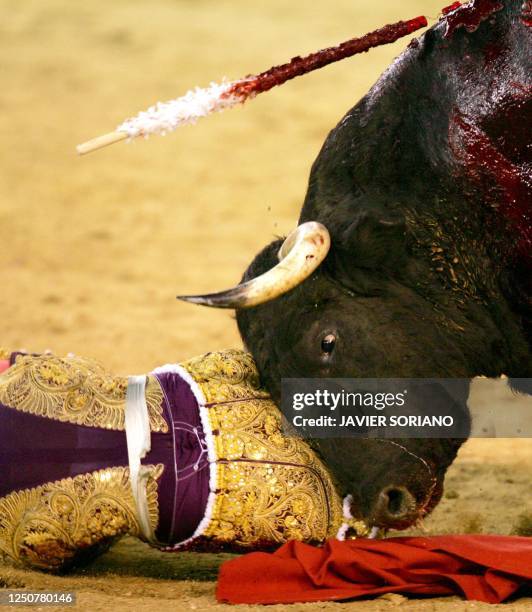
(417,23)
(449,9)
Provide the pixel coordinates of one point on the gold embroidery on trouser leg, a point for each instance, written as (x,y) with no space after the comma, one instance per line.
(270,487)
(268,504)
(48,525)
(74,390)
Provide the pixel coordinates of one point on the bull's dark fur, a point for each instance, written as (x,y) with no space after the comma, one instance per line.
(425,277)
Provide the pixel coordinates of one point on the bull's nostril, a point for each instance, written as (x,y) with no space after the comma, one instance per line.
(396,504)
(395,508)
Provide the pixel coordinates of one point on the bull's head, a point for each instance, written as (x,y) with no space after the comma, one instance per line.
(410,258)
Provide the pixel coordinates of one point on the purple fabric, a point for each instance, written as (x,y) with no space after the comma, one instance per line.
(35,450)
(184,485)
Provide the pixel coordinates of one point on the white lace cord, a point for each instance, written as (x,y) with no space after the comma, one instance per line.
(344,527)
(138,445)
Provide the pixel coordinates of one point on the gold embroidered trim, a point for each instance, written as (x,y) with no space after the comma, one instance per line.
(270,487)
(4,353)
(74,390)
(226,375)
(266,503)
(48,525)
(251,429)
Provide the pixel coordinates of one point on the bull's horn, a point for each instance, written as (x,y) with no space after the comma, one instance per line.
(300,254)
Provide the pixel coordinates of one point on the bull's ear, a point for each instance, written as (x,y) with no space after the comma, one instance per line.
(374,240)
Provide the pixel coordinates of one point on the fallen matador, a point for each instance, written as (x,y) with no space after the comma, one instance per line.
(189,457)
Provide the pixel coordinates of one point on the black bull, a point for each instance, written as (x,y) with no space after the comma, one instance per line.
(425,188)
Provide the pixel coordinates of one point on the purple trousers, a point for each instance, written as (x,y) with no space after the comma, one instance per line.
(35,450)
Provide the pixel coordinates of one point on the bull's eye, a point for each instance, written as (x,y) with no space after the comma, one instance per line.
(328,343)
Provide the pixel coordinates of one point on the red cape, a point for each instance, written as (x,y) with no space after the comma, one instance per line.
(485,568)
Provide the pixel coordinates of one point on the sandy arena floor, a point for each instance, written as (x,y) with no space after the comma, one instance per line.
(95,249)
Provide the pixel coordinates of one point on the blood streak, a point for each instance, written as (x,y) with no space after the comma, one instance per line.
(505,186)
(470,15)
